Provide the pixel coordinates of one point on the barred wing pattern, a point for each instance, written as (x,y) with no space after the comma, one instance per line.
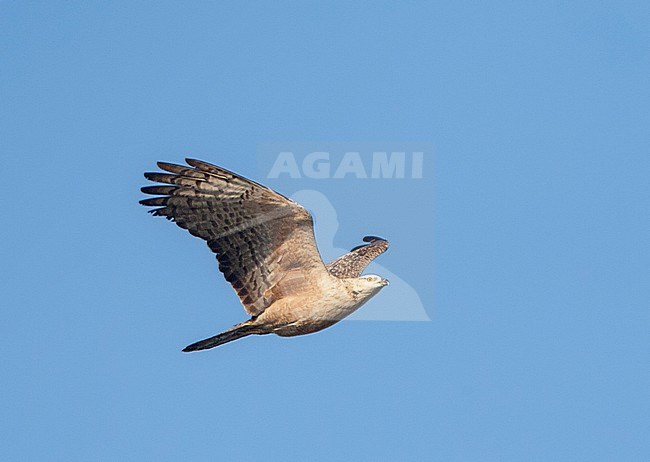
(257,234)
(352,264)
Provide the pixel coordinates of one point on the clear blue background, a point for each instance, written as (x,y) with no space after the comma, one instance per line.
(531,254)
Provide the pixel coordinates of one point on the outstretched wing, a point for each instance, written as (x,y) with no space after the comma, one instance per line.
(352,264)
(257,234)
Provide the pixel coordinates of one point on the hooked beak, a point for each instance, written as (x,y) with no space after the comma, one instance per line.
(385,282)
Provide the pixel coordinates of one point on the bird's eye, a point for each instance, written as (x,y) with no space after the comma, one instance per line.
(369,279)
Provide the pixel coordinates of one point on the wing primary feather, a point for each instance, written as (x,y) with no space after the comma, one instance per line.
(162,212)
(161,177)
(173,168)
(207,167)
(155,201)
(159,190)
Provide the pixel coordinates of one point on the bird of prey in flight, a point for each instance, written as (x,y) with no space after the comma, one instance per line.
(264,243)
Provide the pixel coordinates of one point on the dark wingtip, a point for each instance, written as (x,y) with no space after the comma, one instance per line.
(200,164)
(162,164)
(155,201)
(159,189)
(370,240)
(208,167)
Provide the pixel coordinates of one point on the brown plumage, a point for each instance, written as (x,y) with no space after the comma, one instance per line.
(265,246)
(352,264)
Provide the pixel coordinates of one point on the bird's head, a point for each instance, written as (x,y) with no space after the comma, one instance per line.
(369,284)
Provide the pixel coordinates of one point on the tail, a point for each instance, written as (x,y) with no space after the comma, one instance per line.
(240,330)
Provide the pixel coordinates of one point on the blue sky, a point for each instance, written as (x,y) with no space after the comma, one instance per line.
(526,240)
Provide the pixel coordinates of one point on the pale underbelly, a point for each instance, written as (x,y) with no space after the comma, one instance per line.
(291,321)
